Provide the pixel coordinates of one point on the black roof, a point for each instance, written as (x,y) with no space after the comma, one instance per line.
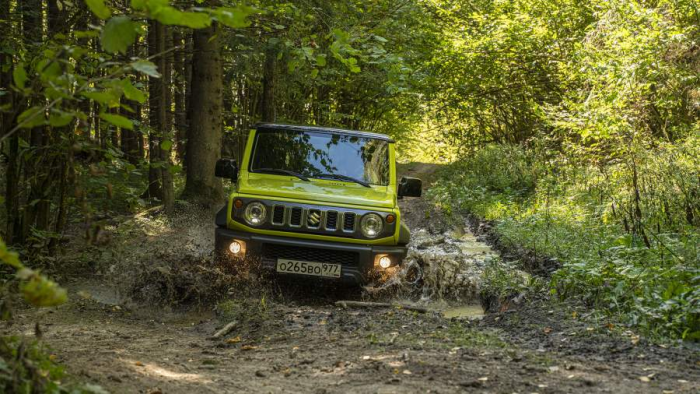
(365,134)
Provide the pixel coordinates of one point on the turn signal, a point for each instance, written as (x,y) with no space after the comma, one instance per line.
(390,218)
(238,204)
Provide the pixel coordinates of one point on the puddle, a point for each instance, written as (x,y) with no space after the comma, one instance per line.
(107,295)
(441,266)
(468,311)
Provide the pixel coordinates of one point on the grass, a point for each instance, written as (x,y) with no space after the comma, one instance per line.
(631,253)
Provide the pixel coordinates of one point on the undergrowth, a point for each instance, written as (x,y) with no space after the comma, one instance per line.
(626,232)
(27,367)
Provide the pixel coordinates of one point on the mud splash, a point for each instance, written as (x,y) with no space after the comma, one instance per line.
(442,271)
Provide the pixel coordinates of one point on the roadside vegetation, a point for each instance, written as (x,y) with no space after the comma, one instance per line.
(590,158)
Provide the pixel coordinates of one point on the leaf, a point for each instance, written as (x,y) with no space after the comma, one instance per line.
(99,8)
(19,74)
(321,60)
(166,145)
(132,93)
(86,34)
(139,4)
(195,20)
(60,118)
(146,67)
(118,34)
(42,292)
(8,257)
(118,121)
(32,117)
(172,16)
(234,17)
(106,97)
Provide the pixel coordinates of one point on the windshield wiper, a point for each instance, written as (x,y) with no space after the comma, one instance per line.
(281,171)
(343,178)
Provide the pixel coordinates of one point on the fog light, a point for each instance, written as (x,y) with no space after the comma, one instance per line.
(385,262)
(235,247)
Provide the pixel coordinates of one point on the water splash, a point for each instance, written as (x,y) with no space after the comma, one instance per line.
(441,270)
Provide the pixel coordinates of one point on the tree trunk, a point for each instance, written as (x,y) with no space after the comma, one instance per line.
(160,119)
(6,122)
(35,205)
(204,134)
(179,82)
(188,90)
(269,113)
(167,133)
(156,110)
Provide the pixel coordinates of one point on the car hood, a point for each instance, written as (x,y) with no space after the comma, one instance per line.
(316,190)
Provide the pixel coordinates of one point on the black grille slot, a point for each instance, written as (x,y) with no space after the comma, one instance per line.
(348,221)
(313,218)
(278,215)
(274,252)
(295,219)
(331,220)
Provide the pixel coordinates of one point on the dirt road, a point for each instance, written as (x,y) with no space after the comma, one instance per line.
(292,338)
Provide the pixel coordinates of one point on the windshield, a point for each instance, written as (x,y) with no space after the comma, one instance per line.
(316,154)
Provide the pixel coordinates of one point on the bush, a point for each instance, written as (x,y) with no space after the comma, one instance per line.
(626,231)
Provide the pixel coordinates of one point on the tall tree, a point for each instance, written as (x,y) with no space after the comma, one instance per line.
(7,117)
(269,111)
(156,110)
(205,131)
(160,179)
(180,98)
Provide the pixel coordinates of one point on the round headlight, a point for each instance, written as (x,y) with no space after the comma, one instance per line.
(255,214)
(371,225)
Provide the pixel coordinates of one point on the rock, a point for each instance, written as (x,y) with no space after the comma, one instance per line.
(473,383)
(260,374)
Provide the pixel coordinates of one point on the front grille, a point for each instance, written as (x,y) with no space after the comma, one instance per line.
(349,221)
(313,219)
(295,219)
(274,252)
(331,220)
(278,215)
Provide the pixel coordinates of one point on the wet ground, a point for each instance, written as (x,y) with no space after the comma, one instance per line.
(144,324)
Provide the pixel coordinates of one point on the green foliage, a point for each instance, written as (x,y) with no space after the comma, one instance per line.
(27,367)
(37,290)
(119,34)
(631,252)
(118,121)
(99,8)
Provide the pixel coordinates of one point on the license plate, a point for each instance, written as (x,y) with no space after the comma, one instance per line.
(308,268)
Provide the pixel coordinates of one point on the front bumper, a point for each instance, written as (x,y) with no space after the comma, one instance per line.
(357,261)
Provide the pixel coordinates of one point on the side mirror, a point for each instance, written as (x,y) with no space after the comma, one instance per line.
(410,187)
(226,168)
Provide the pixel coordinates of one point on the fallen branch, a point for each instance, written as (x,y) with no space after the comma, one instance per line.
(362,304)
(227,328)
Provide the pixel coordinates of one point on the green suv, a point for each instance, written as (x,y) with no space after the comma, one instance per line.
(315,201)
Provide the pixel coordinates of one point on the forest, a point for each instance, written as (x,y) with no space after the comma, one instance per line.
(565,133)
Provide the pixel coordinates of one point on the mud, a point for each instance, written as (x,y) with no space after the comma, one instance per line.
(142,323)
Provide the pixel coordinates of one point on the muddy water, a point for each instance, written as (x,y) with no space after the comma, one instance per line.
(443,271)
